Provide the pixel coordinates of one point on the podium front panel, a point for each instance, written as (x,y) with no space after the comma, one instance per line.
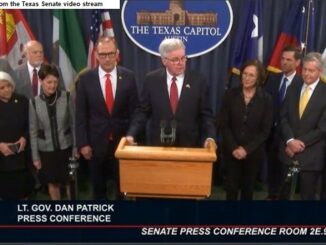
(168,179)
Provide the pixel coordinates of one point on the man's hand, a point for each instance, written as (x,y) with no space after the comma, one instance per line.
(296,146)
(209,141)
(289,152)
(130,140)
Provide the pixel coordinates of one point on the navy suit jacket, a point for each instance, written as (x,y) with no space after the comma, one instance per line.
(272,86)
(311,128)
(94,123)
(194,114)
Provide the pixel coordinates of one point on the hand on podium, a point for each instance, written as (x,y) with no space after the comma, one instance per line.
(210,142)
(131,140)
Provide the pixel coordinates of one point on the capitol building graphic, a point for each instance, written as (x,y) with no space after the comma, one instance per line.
(176,16)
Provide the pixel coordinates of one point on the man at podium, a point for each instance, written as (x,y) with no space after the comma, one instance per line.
(175,102)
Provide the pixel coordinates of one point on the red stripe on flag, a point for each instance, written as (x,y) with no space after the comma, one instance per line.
(107,24)
(282,41)
(3,36)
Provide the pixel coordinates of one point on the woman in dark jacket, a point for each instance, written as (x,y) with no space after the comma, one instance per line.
(16,181)
(246,123)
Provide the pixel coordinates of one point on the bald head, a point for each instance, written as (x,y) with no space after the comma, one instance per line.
(34,53)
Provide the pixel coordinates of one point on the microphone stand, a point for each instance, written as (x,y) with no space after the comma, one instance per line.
(292,177)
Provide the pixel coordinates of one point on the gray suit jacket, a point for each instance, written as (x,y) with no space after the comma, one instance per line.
(40,129)
(311,128)
(24,83)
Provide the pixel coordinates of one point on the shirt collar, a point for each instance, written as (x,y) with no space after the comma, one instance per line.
(290,78)
(179,77)
(102,73)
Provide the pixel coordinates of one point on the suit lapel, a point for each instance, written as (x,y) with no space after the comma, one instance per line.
(27,80)
(162,86)
(119,87)
(185,94)
(315,97)
(98,91)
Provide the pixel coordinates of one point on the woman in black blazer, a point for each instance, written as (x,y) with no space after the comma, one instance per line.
(246,123)
(16,180)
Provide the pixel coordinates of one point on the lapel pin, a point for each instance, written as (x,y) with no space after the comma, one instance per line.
(187,86)
(120,77)
(16,101)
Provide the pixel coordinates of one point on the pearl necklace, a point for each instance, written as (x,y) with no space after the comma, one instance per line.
(55,99)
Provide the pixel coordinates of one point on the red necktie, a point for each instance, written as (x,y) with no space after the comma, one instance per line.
(108,93)
(35,82)
(174,95)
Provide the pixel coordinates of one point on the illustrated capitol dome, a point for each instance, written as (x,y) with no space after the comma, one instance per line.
(176,15)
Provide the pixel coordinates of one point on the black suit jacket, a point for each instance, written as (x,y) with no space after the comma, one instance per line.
(94,124)
(246,126)
(272,86)
(194,114)
(311,128)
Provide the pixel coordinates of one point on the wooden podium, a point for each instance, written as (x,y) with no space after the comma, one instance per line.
(165,172)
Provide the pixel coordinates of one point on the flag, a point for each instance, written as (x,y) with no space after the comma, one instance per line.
(101,25)
(298,30)
(14,33)
(69,47)
(249,35)
(324,59)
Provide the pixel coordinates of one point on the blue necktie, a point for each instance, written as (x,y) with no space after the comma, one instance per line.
(281,92)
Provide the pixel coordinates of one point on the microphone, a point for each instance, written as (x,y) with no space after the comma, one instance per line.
(168,132)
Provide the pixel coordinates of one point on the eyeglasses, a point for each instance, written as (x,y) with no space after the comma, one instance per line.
(177,60)
(105,55)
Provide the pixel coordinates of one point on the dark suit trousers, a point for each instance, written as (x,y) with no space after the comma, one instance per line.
(309,184)
(274,171)
(241,175)
(101,170)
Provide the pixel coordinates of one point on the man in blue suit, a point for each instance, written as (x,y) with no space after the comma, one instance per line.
(174,99)
(106,98)
(277,86)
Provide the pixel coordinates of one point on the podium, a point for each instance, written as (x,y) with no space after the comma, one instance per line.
(165,172)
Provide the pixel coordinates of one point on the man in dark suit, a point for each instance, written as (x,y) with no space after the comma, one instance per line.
(303,125)
(174,99)
(27,82)
(105,100)
(276,85)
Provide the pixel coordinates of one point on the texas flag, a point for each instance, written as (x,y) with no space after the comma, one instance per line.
(298,30)
(249,35)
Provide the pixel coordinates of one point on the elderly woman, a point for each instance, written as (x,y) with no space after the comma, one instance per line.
(16,182)
(52,127)
(246,123)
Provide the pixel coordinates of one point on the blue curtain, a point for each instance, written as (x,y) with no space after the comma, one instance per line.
(214,64)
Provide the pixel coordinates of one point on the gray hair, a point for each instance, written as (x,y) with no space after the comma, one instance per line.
(316,57)
(6,77)
(170,44)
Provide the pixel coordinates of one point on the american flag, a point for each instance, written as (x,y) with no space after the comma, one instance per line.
(101,25)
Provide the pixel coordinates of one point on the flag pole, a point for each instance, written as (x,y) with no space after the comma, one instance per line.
(307,27)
